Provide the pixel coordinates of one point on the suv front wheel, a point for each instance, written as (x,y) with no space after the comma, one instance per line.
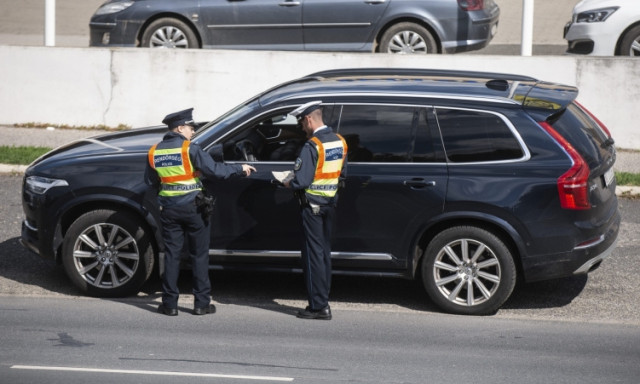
(468,270)
(106,253)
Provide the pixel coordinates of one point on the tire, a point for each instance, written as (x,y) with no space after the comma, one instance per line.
(408,38)
(630,44)
(169,33)
(107,254)
(468,271)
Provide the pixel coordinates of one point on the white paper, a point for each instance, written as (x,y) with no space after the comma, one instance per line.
(283,176)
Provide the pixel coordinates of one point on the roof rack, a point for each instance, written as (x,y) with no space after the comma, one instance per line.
(416,72)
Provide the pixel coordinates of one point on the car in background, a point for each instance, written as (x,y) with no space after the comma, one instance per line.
(465,181)
(604,28)
(392,26)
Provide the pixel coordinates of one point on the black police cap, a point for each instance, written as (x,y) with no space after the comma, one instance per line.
(179,118)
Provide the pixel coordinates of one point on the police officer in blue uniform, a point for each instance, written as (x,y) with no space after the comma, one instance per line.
(318,172)
(174,168)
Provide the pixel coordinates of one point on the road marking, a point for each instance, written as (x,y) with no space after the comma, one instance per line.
(158,373)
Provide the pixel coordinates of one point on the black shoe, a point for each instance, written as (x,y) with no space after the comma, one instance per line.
(167,311)
(317,314)
(203,311)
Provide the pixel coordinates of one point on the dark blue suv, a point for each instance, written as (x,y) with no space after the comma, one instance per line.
(467,181)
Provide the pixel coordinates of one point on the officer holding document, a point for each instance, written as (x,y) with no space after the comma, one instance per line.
(316,178)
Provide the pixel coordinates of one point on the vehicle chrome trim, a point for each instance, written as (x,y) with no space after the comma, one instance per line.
(421,95)
(316,25)
(591,263)
(29,226)
(251,26)
(591,244)
(96,24)
(296,254)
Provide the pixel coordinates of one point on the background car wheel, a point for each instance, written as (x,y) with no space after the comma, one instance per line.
(630,45)
(169,33)
(408,38)
(468,270)
(107,254)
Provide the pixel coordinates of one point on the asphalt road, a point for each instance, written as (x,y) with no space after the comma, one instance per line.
(22,23)
(68,341)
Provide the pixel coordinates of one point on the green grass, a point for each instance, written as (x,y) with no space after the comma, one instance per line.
(626,178)
(20,155)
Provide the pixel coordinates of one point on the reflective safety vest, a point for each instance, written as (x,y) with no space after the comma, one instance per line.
(175,170)
(331,156)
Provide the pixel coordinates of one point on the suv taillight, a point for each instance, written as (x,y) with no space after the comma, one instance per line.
(573,185)
(471,5)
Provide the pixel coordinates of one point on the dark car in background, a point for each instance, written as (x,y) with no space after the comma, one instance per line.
(466,181)
(393,26)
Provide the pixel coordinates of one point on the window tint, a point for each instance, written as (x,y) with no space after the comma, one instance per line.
(473,136)
(376,133)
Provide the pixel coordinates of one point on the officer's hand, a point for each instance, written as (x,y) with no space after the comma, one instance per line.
(247,169)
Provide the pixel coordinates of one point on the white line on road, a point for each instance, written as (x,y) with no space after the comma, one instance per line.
(159,373)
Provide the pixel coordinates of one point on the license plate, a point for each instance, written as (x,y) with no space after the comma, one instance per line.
(609,176)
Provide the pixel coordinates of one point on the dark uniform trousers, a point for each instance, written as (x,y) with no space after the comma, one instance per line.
(176,222)
(316,254)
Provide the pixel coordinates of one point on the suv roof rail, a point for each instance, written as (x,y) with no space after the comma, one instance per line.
(417,72)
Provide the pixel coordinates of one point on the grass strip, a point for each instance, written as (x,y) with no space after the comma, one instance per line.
(22,155)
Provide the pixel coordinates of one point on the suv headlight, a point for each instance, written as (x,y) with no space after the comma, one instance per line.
(114,7)
(595,15)
(41,185)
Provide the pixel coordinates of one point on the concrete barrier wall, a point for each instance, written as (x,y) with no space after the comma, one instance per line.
(138,87)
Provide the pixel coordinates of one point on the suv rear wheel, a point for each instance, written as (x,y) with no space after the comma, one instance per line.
(468,270)
(106,254)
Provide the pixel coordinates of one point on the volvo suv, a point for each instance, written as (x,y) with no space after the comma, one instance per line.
(465,181)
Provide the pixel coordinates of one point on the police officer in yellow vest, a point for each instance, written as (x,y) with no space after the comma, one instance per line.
(317,174)
(174,167)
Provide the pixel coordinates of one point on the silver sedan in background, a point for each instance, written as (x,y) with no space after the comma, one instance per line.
(391,26)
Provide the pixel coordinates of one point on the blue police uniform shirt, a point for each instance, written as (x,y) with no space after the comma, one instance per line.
(305,166)
(201,161)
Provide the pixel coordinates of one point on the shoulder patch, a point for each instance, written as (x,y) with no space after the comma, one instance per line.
(298,164)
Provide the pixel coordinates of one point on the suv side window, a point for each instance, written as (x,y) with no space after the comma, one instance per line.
(378,133)
(476,136)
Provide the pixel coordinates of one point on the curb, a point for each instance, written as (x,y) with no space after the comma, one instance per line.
(622,191)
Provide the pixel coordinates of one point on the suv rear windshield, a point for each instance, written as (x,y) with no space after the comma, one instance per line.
(579,129)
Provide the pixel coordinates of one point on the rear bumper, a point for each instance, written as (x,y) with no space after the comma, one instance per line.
(580,260)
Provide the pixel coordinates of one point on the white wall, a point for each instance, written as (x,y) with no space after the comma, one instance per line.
(138,87)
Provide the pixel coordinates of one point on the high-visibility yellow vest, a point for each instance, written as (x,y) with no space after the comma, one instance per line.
(331,156)
(175,170)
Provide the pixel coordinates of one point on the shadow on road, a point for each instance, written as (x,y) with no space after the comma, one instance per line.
(35,275)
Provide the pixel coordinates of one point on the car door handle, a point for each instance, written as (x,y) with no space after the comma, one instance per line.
(419,183)
(374,1)
(289,3)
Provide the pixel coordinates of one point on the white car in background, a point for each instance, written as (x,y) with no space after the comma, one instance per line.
(604,28)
